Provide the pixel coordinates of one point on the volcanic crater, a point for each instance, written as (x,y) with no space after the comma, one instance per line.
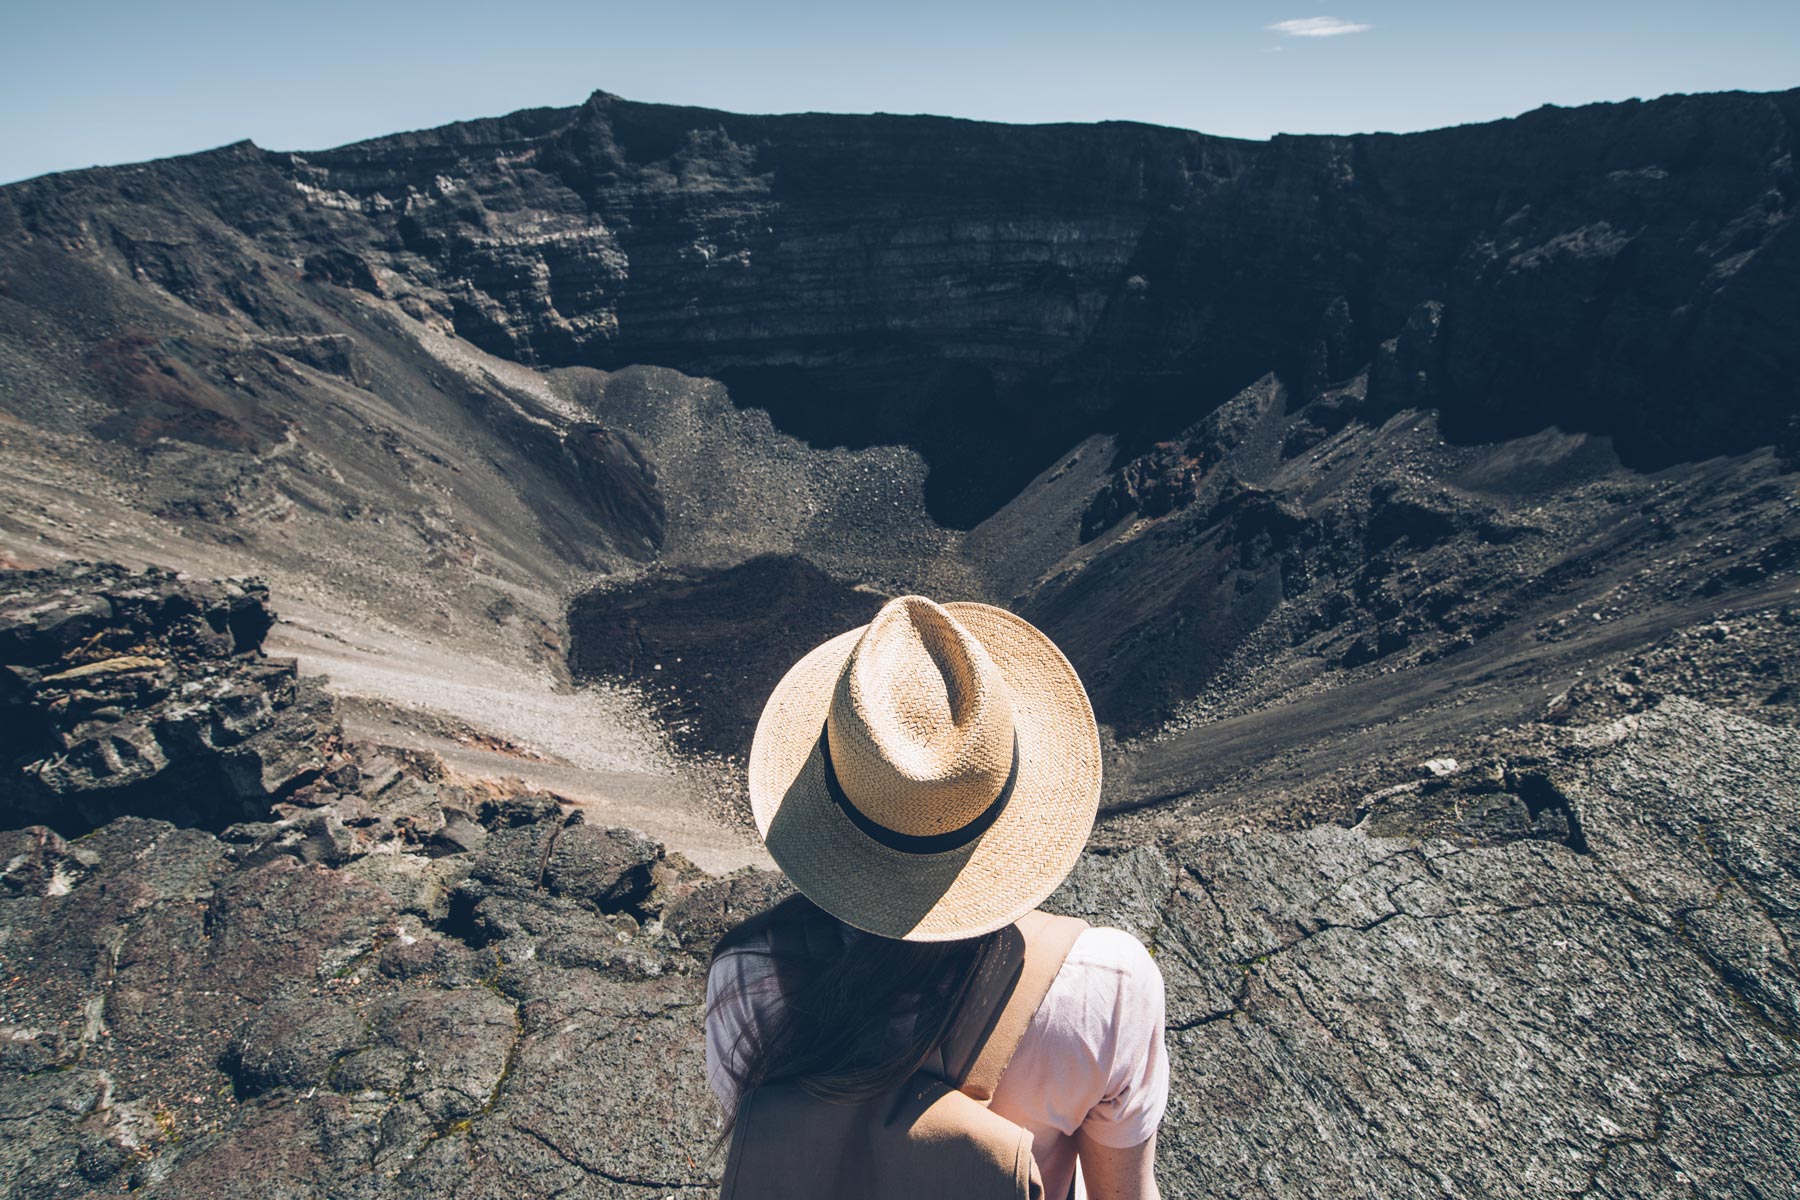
(1421,513)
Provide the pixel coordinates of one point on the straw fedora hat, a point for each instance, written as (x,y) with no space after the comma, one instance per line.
(931,775)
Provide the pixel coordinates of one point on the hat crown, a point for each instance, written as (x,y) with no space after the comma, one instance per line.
(921,723)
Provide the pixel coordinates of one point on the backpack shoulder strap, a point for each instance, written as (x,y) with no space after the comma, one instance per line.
(1047,942)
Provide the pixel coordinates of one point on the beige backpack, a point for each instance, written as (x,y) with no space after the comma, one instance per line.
(934,1135)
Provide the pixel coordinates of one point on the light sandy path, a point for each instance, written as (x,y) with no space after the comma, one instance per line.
(594,746)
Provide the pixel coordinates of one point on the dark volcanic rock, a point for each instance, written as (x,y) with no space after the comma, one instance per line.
(604,870)
(285,921)
(1143,274)
(990,294)
(1181,472)
(1441,1016)
(1149,618)
(179,1020)
(709,645)
(619,482)
(1565,1014)
(143,693)
(610,869)
(294,1042)
(698,918)
(1305,563)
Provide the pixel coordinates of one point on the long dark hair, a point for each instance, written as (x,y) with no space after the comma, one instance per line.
(835,1036)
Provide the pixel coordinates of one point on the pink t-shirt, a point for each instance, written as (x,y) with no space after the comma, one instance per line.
(1092,1059)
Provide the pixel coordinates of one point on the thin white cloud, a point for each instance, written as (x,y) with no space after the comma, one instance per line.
(1317,27)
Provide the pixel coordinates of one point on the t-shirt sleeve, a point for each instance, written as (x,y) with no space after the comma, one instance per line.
(740,997)
(1134,1059)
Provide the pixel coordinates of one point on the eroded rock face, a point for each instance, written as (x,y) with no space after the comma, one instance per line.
(1281,545)
(1569,970)
(931,270)
(1187,469)
(145,693)
(992,294)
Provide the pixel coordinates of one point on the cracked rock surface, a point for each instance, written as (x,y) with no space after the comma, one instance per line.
(181,1021)
(481,994)
(1361,1014)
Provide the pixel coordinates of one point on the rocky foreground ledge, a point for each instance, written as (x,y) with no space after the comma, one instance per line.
(347,973)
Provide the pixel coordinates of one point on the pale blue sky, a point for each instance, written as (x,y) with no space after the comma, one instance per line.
(104,81)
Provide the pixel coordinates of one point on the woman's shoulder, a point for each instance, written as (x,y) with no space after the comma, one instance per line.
(1103,948)
(739,964)
(754,942)
(1093,1057)
(1108,976)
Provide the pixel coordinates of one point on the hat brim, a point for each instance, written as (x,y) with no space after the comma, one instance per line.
(975,889)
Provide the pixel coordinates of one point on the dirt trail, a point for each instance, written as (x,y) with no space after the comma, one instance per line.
(593,745)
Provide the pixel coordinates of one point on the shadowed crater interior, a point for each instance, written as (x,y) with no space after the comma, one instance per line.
(709,645)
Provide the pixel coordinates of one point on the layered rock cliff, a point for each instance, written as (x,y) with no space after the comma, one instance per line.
(991,294)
